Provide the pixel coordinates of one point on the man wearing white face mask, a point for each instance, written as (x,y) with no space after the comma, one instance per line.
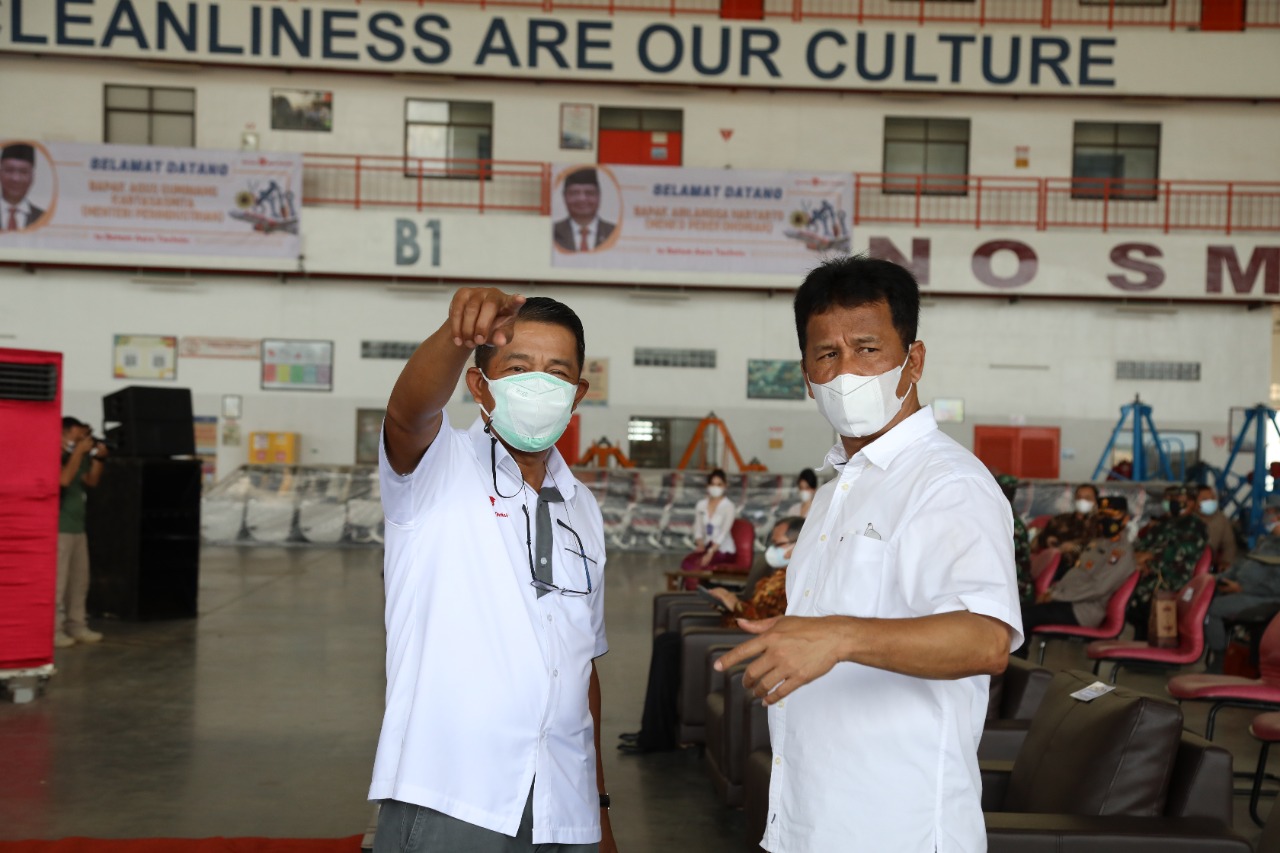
(494,575)
(1222,536)
(902,597)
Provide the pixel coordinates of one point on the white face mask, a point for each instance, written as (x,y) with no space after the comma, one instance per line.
(776,556)
(858,406)
(530,410)
(1208,507)
(715,491)
(806,495)
(1084,506)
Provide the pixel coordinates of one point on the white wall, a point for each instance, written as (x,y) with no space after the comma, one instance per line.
(78,312)
(772,130)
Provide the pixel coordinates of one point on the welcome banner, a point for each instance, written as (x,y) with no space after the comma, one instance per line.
(149,199)
(707,220)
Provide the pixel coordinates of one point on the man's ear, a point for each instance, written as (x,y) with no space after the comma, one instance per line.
(476,384)
(583,387)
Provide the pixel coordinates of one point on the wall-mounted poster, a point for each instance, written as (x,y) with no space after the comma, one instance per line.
(774,379)
(596,372)
(151,199)
(145,357)
(297,365)
(704,220)
(577,126)
(301,109)
(368,428)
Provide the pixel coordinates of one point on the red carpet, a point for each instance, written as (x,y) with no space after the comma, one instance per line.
(186,845)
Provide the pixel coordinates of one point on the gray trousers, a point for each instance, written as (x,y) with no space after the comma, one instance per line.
(1225,608)
(72,583)
(406,828)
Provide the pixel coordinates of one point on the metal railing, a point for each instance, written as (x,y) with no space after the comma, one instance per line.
(1044,204)
(1171,14)
(356,180)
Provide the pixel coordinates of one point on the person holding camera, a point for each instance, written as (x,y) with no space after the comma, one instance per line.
(82,463)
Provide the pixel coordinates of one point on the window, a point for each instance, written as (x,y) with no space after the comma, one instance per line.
(148,115)
(928,147)
(1126,154)
(452,135)
(632,118)
(666,357)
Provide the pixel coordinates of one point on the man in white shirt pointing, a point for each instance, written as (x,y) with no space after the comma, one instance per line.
(902,597)
(494,572)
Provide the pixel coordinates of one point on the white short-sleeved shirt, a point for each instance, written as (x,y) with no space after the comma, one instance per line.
(486,682)
(866,759)
(715,527)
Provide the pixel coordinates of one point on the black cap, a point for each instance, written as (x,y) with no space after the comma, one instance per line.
(586,176)
(1119,503)
(19,151)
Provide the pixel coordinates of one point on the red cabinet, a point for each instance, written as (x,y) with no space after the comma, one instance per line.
(30,436)
(1025,452)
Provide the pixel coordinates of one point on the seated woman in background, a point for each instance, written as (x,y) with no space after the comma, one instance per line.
(806,486)
(768,598)
(713,527)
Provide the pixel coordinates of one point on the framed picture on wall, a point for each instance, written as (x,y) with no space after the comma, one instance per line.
(577,126)
(368,428)
(145,357)
(302,109)
(774,379)
(297,365)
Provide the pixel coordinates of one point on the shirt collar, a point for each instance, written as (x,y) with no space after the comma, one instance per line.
(23,206)
(886,448)
(556,467)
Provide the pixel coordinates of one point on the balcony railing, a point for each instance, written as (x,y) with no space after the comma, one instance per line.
(425,183)
(1169,14)
(1041,204)
(1044,204)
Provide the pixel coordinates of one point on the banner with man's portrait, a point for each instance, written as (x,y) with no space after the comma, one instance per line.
(704,220)
(125,198)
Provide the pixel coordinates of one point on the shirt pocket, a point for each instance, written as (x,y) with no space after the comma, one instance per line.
(855,578)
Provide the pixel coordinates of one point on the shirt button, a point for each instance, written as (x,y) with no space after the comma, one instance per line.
(845,487)
(822,538)
(778,761)
(806,593)
(555,673)
(782,703)
(543,560)
(548,617)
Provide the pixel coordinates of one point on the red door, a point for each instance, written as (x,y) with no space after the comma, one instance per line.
(1222,15)
(640,147)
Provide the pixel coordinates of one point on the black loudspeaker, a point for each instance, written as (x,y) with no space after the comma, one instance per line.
(143,524)
(151,421)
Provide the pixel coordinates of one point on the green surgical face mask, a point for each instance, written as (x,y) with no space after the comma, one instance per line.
(530,410)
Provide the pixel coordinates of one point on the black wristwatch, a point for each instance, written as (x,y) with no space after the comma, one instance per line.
(604,801)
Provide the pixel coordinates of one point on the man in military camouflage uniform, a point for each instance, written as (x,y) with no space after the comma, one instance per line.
(1069,532)
(1021,542)
(1167,551)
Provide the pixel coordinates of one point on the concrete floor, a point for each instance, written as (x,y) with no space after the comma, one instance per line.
(261,716)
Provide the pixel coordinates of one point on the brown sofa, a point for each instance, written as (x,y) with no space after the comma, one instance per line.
(1115,774)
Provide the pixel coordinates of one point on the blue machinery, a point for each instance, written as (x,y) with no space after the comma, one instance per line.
(1244,496)
(1142,423)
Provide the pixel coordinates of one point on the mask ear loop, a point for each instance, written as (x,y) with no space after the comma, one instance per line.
(493,450)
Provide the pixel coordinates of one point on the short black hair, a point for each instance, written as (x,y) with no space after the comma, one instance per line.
(544,309)
(718,472)
(69,422)
(1093,487)
(807,476)
(856,280)
(793,523)
(585,175)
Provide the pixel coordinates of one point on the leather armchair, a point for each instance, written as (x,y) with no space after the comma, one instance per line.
(697,640)
(727,706)
(1015,697)
(668,607)
(1116,773)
